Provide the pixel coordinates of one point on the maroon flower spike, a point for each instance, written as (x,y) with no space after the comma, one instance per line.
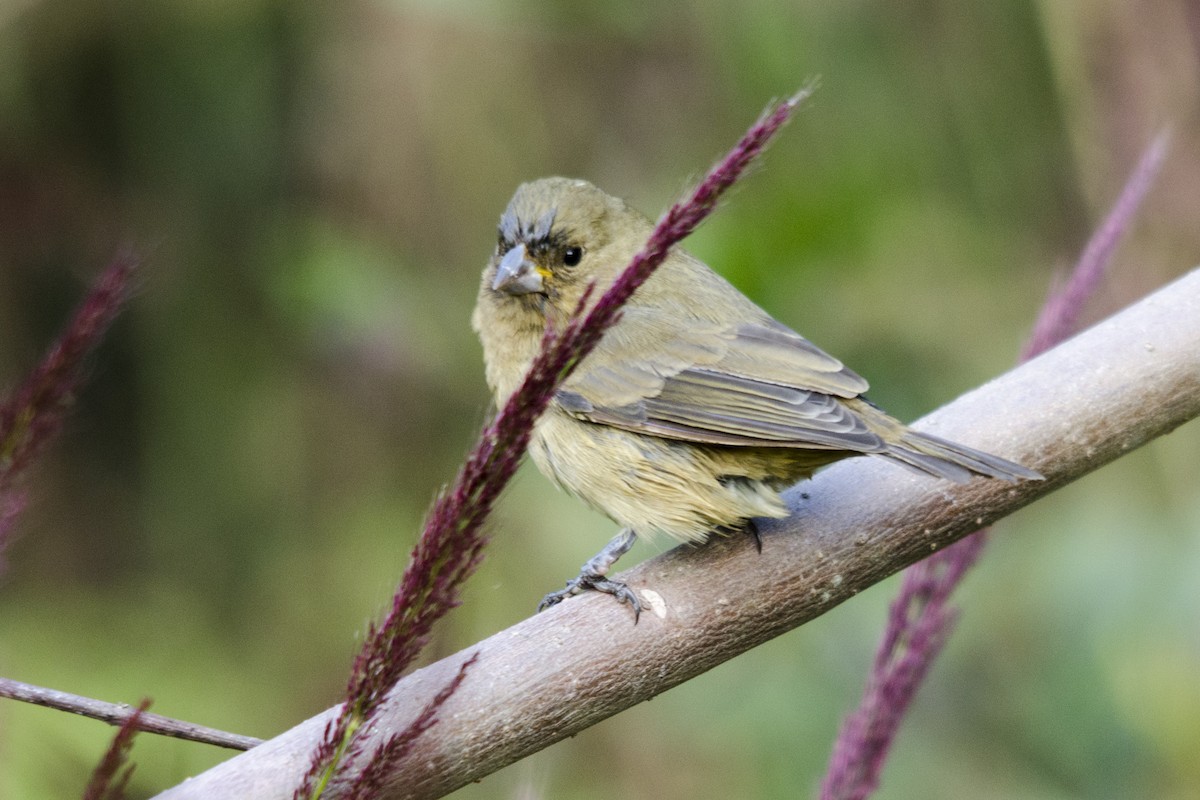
(12,503)
(450,546)
(370,782)
(112,774)
(33,413)
(920,618)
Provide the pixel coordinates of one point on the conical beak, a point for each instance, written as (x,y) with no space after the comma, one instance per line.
(516,274)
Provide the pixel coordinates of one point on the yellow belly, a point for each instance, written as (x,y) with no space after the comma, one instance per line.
(655,485)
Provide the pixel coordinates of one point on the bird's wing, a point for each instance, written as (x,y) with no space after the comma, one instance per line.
(754,384)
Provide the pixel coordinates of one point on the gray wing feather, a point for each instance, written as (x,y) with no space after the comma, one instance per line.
(758,385)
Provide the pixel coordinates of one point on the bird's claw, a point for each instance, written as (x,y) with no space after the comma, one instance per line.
(586,581)
(752,529)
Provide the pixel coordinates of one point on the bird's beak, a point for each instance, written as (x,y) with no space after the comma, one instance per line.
(516,274)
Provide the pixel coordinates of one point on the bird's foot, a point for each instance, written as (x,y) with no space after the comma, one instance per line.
(593,576)
(747,527)
(590,581)
(752,529)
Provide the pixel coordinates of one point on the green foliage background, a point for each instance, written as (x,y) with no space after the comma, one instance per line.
(315,188)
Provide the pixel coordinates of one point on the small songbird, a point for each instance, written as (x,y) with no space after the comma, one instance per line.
(697,407)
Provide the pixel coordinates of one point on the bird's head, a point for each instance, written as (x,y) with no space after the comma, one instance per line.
(556,237)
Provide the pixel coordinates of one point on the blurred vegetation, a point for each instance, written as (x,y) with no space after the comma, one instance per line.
(315,189)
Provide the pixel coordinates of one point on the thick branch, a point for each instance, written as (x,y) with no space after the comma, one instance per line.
(1111,389)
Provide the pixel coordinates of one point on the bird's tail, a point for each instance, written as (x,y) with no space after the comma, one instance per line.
(945,459)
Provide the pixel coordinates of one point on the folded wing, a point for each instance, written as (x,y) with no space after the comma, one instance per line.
(757,384)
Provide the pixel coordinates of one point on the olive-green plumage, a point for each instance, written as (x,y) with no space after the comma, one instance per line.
(697,407)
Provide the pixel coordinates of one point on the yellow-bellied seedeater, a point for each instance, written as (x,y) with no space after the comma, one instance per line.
(696,408)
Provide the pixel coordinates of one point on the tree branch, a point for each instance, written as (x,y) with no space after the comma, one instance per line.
(1098,396)
(120,713)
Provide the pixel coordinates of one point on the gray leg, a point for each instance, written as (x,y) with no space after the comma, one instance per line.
(592,576)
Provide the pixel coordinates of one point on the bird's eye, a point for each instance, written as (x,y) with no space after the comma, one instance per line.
(572,255)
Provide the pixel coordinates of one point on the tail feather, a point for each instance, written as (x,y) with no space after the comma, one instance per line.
(945,459)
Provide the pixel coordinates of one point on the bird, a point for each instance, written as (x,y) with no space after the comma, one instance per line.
(696,408)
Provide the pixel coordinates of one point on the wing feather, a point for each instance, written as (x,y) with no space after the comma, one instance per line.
(757,385)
